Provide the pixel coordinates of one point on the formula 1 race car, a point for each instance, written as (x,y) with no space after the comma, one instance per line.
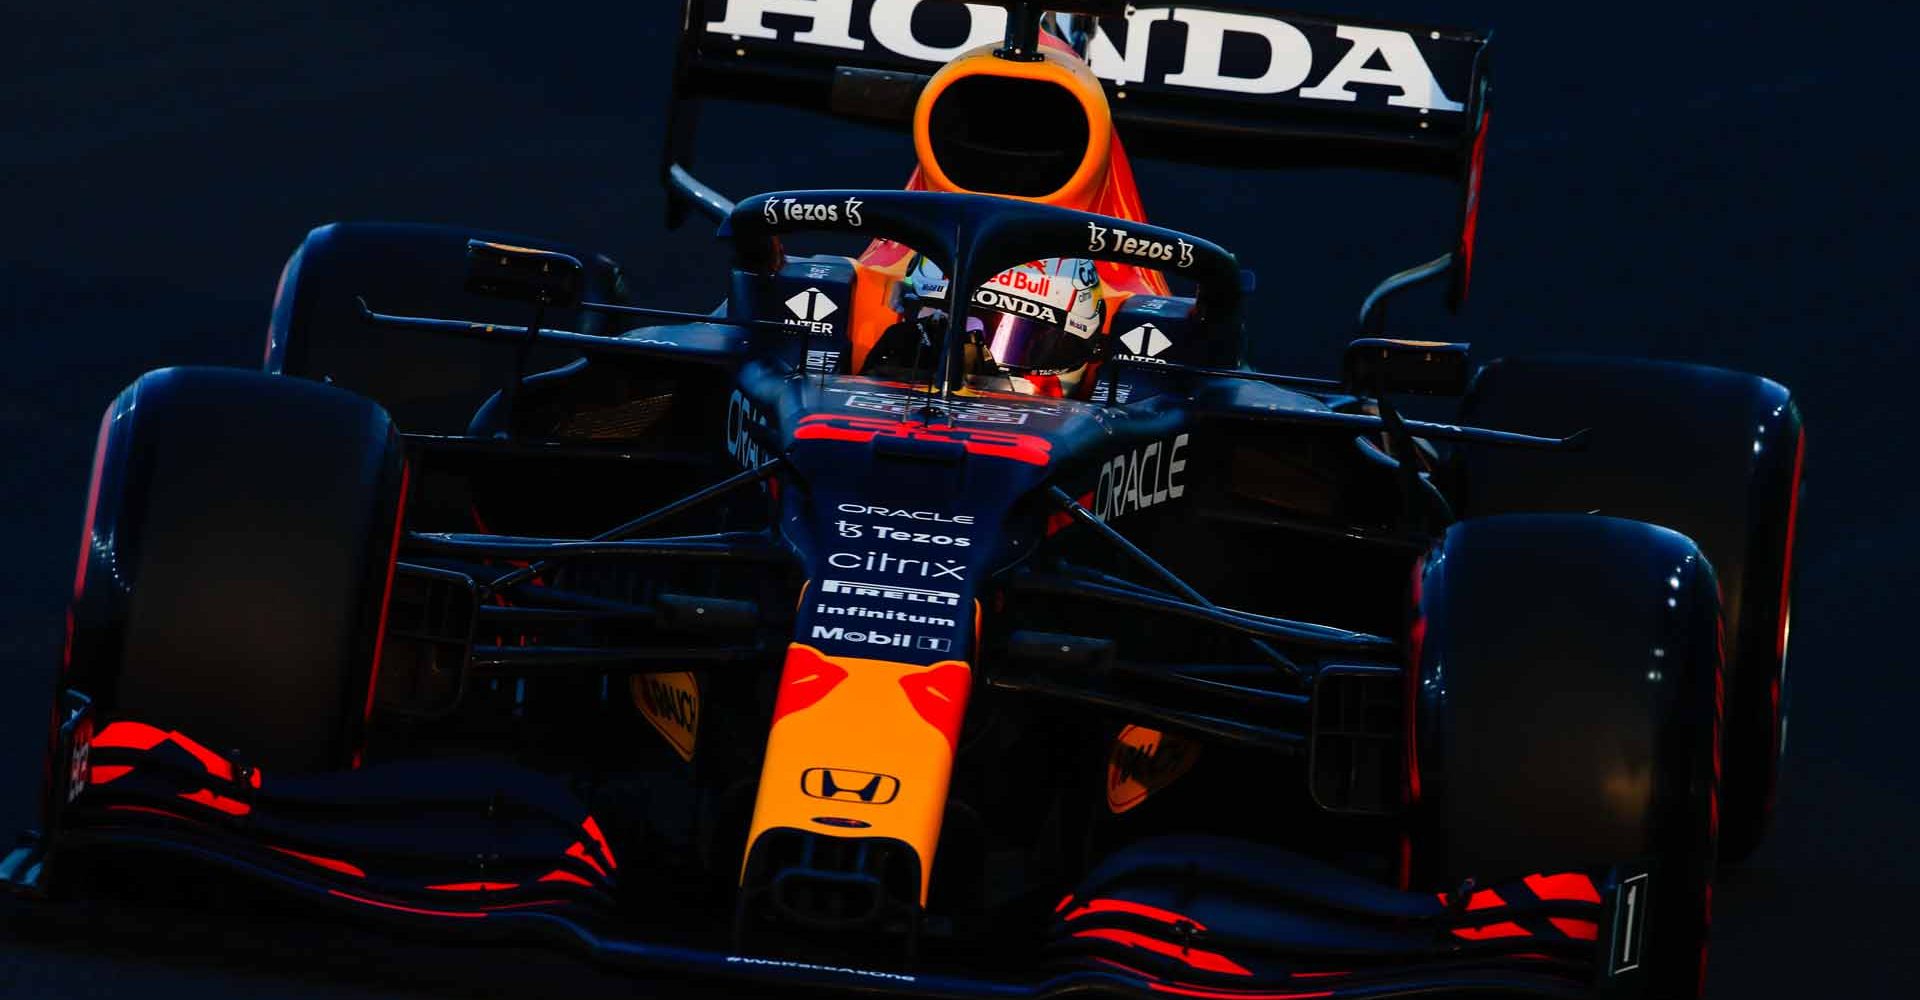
(804,642)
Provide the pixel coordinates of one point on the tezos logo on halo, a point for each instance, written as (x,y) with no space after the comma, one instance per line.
(1097,242)
(778,210)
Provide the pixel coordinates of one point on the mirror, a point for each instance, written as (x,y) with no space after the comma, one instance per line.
(1428,367)
(524,274)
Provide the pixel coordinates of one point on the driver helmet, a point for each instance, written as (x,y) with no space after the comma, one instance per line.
(1037,329)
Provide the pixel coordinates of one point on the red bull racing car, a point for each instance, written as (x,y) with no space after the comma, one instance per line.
(960,617)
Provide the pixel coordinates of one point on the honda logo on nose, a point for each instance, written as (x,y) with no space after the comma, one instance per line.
(841,785)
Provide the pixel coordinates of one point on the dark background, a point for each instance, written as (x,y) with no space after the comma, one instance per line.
(1725,187)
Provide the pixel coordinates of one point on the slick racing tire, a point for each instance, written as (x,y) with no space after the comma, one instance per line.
(430,383)
(239,548)
(1567,714)
(1715,455)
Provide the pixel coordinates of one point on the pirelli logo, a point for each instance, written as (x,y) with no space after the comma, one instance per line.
(912,595)
(842,785)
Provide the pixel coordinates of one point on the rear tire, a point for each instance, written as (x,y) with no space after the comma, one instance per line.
(430,383)
(1567,715)
(1714,454)
(239,548)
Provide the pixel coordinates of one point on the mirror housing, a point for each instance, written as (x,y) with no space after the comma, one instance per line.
(1428,367)
(523,274)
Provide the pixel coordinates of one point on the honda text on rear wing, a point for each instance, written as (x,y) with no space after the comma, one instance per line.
(1205,83)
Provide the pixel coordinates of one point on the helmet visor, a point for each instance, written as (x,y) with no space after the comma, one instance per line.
(1026,344)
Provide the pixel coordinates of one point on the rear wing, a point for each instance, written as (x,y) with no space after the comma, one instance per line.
(1201,82)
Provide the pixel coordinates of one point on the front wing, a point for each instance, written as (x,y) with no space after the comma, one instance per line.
(493,851)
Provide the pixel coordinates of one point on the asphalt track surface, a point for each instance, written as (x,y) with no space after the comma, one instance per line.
(1731,187)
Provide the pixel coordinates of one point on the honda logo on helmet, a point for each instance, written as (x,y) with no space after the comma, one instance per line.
(990,299)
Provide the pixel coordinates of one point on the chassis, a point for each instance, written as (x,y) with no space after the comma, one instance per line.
(1201,687)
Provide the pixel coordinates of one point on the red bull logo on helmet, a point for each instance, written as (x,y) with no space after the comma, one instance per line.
(1032,283)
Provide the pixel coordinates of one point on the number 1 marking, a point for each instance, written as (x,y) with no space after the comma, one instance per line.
(1633,898)
(1628,921)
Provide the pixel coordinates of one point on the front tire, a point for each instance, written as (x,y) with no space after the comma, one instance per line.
(1567,713)
(238,554)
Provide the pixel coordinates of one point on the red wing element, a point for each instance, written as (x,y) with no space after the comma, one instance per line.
(1579,930)
(331,864)
(1470,214)
(1485,899)
(1137,909)
(579,850)
(129,736)
(1200,991)
(140,736)
(1570,886)
(593,830)
(214,800)
(1029,448)
(363,900)
(1504,929)
(1205,961)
